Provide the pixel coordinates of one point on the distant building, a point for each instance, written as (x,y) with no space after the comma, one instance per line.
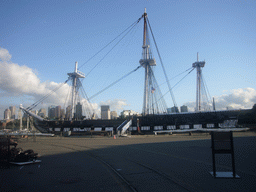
(42,113)
(183,108)
(79,111)
(13,112)
(62,113)
(113,115)
(105,112)
(52,112)
(7,114)
(68,112)
(126,113)
(173,110)
(58,112)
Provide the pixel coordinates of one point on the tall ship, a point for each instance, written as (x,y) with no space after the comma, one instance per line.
(155,116)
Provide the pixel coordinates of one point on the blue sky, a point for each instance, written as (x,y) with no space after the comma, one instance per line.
(48,37)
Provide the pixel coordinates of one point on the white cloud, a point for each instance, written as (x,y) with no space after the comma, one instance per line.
(115,104)
(22,82)
(242,98)
(16,80)
(4,54)
(90,108)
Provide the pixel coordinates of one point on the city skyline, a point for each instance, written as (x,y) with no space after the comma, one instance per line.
(59,113)
(39,46)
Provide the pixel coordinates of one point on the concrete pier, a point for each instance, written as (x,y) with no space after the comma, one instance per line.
(177,162)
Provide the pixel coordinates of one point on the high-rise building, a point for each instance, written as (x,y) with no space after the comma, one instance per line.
(173,110)
(113,115)
(79,111)
(68,112)
(126,113)
(7,114)
(13,111)
(105,112)
(62,113)
(52,112)
(58,112)
(183,108)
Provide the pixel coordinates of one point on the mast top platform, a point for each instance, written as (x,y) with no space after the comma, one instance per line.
(150,62)
(76,73)
(198,63)
(147,58)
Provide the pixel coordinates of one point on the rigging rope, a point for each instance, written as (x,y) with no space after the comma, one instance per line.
(160,103)
(206,86)
(108,52)
(67,97)
(176,76)
(207,93)
(46,96)
(156,87)
(114,82)
(170,89)
(131,26)
(179,81)
(88,100)
(76,97)
(54,90)
(130,32)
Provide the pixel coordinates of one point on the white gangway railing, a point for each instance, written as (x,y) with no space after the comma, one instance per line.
(124,127)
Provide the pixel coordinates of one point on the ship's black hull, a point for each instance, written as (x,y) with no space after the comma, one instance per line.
(178,120)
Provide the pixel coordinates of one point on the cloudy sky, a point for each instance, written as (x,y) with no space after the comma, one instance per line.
(40,41)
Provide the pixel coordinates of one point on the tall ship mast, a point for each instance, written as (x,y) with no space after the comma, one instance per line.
(75,78)
(198,65)
(153,102)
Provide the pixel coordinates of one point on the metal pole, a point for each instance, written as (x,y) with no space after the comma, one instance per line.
(232,154)
(213,155)
(145,28)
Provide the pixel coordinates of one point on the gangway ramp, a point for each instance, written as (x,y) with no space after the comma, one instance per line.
(123,127)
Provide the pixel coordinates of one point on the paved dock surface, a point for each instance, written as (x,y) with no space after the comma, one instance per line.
(137,163)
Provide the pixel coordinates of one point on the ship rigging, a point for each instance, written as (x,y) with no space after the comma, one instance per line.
(153,99)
